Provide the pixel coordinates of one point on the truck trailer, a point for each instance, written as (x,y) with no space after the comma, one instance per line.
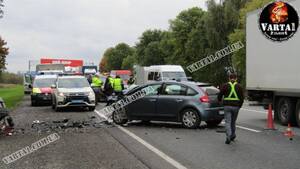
(272,70)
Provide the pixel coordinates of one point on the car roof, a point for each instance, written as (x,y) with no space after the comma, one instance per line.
(165,68)
(71,77)
(45,76)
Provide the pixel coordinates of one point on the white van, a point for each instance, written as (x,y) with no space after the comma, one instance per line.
(154,73)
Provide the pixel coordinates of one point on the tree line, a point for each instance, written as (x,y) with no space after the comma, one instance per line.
(194,34)
(3,48)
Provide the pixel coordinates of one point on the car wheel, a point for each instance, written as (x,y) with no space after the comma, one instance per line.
(33,103)
(190,118)
(213,123)
(92,108)
(57,109)
(298,113)
(53,103)
(285,109)
(119,116)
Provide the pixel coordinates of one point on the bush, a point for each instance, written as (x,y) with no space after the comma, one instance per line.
(11,78)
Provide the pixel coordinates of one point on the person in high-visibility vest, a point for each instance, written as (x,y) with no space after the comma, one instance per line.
(118,85)
(96,85)
(96,81)
(232,95)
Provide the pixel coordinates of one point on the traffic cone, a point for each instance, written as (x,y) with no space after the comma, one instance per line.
(270,122)
(289,133)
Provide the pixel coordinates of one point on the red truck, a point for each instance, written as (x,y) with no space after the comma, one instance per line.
(124,74)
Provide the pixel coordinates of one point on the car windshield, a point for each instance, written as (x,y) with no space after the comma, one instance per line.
(174,76)
(44,82)
(73,83)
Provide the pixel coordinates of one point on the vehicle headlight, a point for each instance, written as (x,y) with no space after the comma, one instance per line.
(61,94)
(91,93)
(36,91)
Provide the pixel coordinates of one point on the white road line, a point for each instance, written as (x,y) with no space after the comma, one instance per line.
(152,148)
(262,112)
(149,146)
(245,128)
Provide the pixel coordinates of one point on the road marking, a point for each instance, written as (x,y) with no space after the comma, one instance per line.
(149,146)
(262,112)
(245,128)
(249,129)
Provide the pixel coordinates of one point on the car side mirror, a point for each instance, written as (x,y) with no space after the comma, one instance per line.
(30,86)
(53,86)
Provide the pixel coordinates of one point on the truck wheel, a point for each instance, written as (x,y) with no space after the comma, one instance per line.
(285,110)
(298,113)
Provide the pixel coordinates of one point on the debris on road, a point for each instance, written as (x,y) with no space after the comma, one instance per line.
(65,124)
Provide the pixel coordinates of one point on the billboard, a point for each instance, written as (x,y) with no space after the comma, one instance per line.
(66,62)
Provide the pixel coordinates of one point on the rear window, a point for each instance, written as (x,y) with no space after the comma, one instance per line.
(210,90)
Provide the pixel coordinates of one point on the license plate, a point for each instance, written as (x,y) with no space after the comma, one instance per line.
(221,112)
(77,101)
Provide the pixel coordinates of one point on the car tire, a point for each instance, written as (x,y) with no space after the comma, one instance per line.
(92,108)
(285,109)
(213,123)
(57,109)
(298,113)
(190,118)
(119,116)
(53,103)
(33,103)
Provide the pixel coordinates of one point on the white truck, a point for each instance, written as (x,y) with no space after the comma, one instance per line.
(272,70)
(144,75)
(50,69)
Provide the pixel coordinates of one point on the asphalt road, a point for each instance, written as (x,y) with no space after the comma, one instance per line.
(155,145)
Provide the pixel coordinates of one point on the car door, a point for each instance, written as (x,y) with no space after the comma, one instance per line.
(144,107)
(171,100)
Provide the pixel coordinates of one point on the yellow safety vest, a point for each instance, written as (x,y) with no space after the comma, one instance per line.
(117,84)
(96,82)
(232,95)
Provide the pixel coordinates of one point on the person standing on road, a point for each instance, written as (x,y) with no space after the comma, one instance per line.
(131,80)
(96,85)
(233,98)
(118,85)
(108,88)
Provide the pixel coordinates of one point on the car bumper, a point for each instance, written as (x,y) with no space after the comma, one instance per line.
(81,104)
(215,113)
(76,102)
(42,97)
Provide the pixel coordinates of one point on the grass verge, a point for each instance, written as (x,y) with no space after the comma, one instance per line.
(12,95)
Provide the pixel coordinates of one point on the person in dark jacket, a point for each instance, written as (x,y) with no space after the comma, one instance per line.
(131,80)
(108,88)
(232,95)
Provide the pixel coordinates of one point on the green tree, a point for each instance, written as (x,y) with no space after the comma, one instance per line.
(113,57)
(3,53)
(129,61)
(1,10)
(148,50)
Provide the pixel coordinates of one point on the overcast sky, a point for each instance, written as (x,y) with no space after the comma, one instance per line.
(80,29)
